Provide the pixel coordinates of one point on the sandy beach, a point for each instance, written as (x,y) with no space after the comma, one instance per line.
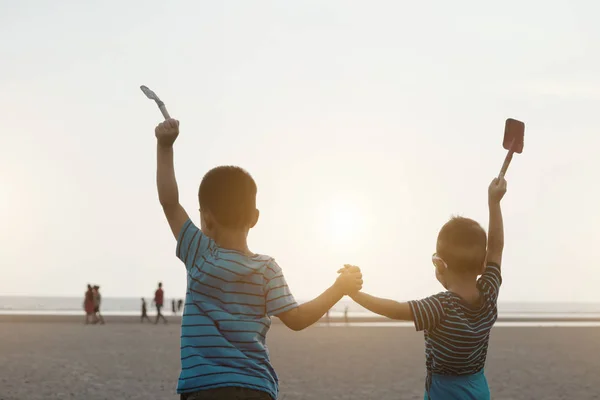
(62,359)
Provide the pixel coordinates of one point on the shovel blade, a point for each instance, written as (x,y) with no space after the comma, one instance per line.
(149,93)
(514,135)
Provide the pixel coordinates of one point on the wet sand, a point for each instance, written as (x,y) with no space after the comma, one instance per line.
(63,359)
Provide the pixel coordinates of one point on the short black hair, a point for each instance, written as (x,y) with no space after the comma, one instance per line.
(229,194)
(462,244)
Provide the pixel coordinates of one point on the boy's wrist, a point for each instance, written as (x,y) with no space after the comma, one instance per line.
(354,294)
(493,203)
(337,289)
(166,146)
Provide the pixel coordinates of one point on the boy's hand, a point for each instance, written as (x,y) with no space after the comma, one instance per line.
(167,131)
(496,190)
(348,268)
(350,280)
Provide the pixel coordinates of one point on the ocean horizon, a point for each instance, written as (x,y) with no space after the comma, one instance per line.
(48,305)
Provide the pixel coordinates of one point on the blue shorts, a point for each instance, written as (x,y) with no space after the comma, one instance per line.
(464,387)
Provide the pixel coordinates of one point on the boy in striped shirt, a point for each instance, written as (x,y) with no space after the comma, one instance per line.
(456,323)
(231,291)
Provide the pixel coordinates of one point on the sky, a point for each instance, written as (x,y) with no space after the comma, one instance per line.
(365,124)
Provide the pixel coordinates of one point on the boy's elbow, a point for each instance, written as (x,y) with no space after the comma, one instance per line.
(168,205)
(297,328)
(293,320)
(401,312)
(171,208)
(294,324)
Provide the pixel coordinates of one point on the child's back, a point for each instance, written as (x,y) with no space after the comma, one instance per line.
(457,335)
(229,301)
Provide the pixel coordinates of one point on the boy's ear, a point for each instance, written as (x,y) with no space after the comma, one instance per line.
(254,219)
(207,220)
(441,269)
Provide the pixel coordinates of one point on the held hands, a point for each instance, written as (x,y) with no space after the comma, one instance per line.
(496,190)
(350,279)
(166,132)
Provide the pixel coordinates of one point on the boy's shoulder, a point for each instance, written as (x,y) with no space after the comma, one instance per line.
(454,304)
(259,263)
(446,301)
(443,297)
(238,256)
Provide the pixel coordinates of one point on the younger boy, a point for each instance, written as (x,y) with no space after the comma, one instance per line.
(231,291)
(456,323)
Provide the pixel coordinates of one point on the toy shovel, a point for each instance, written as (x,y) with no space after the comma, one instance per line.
(514,133)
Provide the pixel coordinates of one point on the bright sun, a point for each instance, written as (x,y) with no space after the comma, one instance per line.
(344,222)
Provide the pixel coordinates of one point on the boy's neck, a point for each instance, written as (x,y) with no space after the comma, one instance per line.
(466,288)
(233,240)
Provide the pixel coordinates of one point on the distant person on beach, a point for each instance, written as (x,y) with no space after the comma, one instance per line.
(232,292)
(97,303)
(174,307)
(88,305)
(159,297)
(457,322)
(346,314)
(179,305)
(144,311)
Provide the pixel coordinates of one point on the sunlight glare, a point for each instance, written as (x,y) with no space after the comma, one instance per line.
(344,222)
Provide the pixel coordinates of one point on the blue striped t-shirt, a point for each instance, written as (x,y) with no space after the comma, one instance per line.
(229,301)
(456,333)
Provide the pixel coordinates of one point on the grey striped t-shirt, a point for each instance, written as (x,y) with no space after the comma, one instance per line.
(456,333)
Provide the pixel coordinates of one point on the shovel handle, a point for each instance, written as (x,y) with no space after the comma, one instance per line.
(507,161)
(164,112)
(163,109)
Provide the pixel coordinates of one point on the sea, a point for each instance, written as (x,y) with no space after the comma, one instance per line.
(512,311)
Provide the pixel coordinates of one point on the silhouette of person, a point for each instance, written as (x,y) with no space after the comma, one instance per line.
(97,302)
(346,314)
(144,311)
(173,307)
(88,304)
(179,305)
(159,297)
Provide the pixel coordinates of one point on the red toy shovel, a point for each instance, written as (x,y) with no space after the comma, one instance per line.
(514,134)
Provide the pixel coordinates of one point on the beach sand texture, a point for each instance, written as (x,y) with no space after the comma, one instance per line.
(130,361)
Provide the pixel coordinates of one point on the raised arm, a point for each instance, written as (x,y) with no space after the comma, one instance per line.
(496,192)
(168,193)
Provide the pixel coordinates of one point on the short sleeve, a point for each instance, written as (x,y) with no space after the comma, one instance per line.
(278,297)
(490,281)
(428,312)
(191,243)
